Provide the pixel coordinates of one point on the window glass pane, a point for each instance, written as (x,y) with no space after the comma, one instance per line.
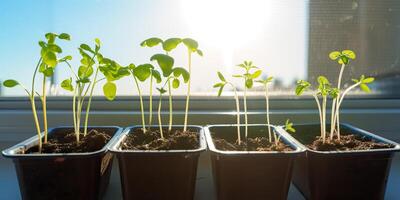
(288,39)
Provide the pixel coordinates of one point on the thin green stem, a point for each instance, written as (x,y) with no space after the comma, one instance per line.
(32,98)
(170,105)
(237,113)
(337,99)
(141,103)
(151,102)
(267,108)
(319,112)
(324,118)
(44,107)
(159,117)
(245,110)
(90,102)
(188,91)
(74,110)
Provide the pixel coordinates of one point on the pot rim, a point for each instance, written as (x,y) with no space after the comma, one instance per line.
(11,152)
(289,141)
(114,147)
(355,130)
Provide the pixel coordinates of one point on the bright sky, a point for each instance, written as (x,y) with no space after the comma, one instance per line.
(271,33)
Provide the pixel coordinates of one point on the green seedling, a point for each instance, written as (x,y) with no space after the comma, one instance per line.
(248,79)
(265,83)
(171,75)
(83,85)
(221,85)
(324,90)
(142,73)
(46,65)
(169,45)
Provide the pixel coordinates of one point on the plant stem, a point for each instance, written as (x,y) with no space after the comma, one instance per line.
(74,110)
(337,99)
(141,104)
(333,118)
(320,113)
(151,102)
(170,105)
(44,107)
(245,110)
(32,98)
(237,113)
(78,113)
(188,91)
(90,102)
(324,118)
(159,117)
(267,108)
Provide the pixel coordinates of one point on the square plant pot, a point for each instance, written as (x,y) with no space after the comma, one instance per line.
(158,174)
(63,175)
(250,174)
(332,175)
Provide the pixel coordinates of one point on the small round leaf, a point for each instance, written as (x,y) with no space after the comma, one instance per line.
(10,83)
(110,90)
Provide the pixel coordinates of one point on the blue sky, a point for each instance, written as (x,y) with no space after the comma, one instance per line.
(123,24)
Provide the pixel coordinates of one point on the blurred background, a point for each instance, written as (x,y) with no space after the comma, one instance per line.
(287,39)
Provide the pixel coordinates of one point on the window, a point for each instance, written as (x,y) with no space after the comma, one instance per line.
(289,40)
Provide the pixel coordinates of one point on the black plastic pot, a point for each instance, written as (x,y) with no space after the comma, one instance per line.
(162,174)
(341,174)
(250,174)
(63,176)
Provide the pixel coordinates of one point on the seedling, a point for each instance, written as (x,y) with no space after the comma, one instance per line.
(169,45)
(46,65)
(84,85)
(221,85)
(142,73)
(248,79)
(265,83)
(324,89)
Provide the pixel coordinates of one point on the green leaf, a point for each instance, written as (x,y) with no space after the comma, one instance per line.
(343,60)
(131,66)
(65,58)
(171,43)
(67,84)
(156,75)
(334,55)
(87,48)
(365,88)
(322,80)
(368,80)
(10,83)
(218,85)
(110,90)
(151,42)
(191,44)
(48,72)
(355,80)
(178,71)
(142,72)
(221,77)
(54,48)
(97,41)
(165,62)
(302,86)
(85,71)
(249,83)
(199,52)
(269,79)
(256,74)
(64,36)
(237,76)
(220,90)
(50,58)
(175,83)
(349,54)
(161,90)
(42,44)
(50,37)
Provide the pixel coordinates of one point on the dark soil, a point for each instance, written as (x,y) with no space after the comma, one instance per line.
(151,140)
(65,142)
(252,144)
(347,143)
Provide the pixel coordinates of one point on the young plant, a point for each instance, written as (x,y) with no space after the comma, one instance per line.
(169,45)
(84,85)
(343,58)
(248,79)
(192,46)
(324,89)
(142,73)
(221,85)
(169,72)
(46,65)
(265,83)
